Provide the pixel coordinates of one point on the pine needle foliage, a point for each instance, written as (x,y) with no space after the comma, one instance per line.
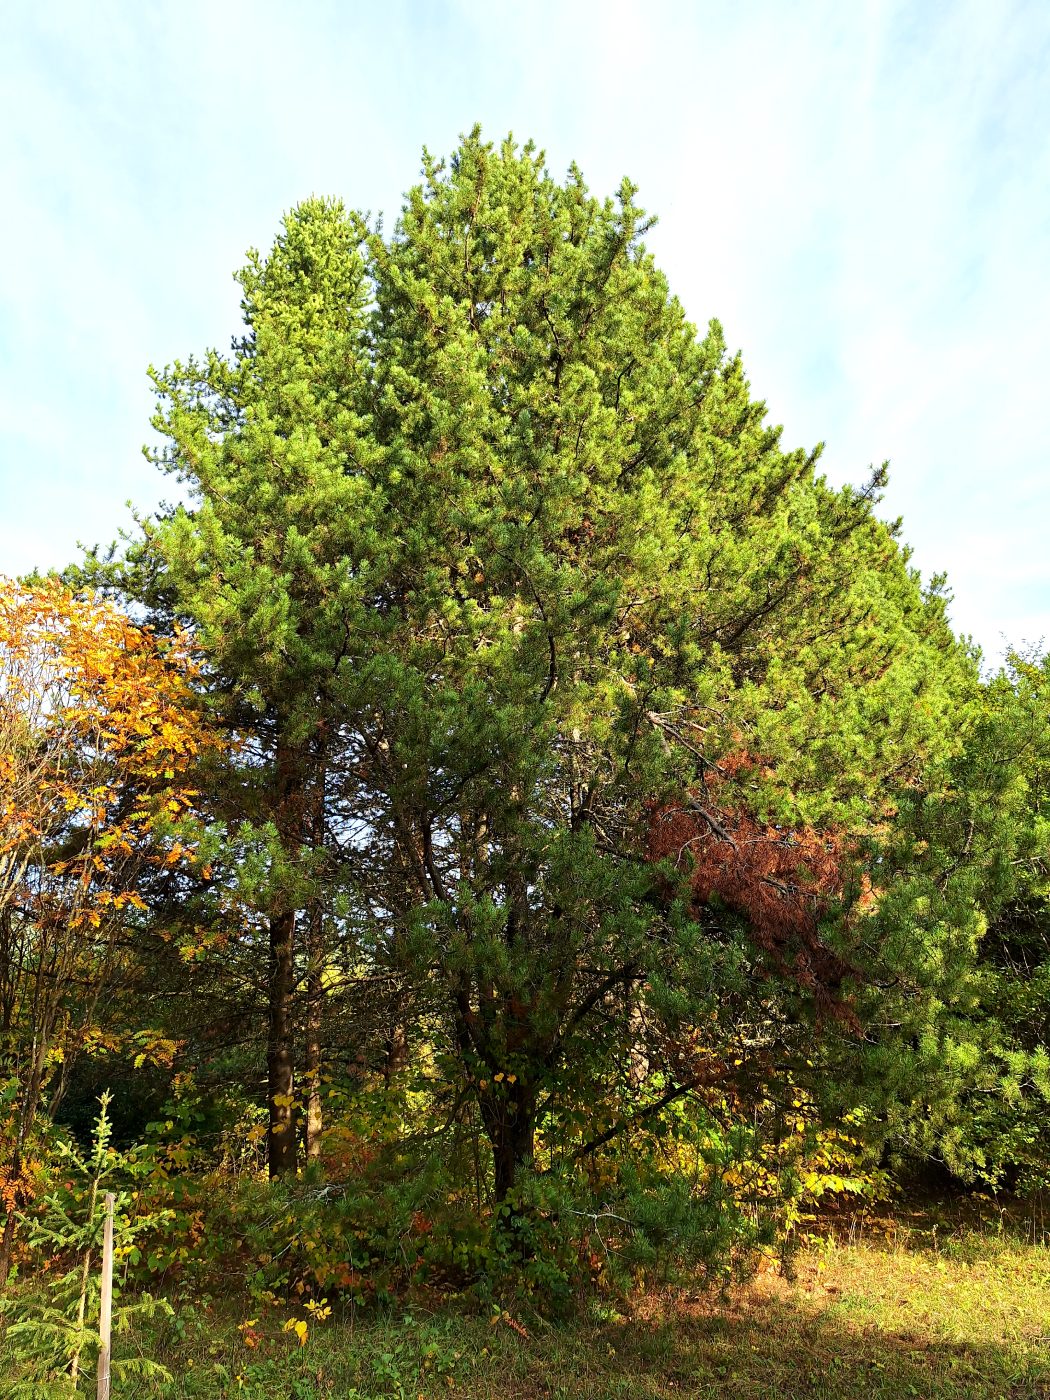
(493,556)
(52,1346)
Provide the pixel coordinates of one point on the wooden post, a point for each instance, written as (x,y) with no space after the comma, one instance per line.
(105,1317)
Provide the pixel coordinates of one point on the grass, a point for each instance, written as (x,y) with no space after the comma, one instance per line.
(889,1309)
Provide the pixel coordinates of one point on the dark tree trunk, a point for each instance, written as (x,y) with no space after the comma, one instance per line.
(280,1141)
(26,1116)
(508,1112)
(315,958)
(7,1241)
(290,814)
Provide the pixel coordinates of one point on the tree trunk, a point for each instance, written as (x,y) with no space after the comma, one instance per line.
(314,997)
(508,1112)
(26,1116)
(280,1140)
(638,1070)
(7,1243)
(315,960)
(290,813)
(395,1052)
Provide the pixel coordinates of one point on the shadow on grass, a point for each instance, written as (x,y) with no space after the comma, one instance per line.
(773,1346)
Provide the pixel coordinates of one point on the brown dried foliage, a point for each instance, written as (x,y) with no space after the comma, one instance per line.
(781,882)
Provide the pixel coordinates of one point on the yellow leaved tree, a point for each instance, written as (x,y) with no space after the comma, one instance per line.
(100,735)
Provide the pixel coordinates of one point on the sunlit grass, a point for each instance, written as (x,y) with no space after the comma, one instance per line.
(888,1309)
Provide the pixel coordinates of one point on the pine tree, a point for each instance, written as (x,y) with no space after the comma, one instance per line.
(615,586)
(489,544)
(965,918)
(269,566)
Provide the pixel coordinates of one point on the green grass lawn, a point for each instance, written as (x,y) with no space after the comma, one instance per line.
(889,1309)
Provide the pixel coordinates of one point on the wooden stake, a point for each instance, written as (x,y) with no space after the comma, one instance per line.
(105,1317)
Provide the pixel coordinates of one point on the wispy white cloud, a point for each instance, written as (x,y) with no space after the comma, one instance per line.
(861,193)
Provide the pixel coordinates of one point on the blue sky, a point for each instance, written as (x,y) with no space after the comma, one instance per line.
(860,192)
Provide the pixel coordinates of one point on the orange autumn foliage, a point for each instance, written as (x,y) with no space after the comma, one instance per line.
(98,736)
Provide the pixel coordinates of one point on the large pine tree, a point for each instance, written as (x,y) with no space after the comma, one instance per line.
(269,564)
(497,563)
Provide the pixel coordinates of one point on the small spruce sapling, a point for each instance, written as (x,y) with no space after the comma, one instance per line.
(53,1344)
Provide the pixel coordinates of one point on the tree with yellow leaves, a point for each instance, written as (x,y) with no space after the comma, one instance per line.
(99,736)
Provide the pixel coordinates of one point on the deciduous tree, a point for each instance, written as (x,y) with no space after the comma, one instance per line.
(99,737)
